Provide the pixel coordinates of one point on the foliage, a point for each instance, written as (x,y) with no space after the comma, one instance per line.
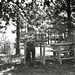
(64,12)
(5,47)
(40,14)
(35,13)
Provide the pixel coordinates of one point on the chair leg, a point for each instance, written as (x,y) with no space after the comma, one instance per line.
(54,55)
(59,57)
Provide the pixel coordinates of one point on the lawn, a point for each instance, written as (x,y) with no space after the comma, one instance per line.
(52,67)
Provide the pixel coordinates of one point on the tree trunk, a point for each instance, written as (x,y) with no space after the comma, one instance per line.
(69,17)
(18,38)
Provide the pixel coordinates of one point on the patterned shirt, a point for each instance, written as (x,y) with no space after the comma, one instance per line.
(29,38)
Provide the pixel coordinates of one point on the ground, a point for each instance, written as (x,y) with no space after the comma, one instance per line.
(52,67)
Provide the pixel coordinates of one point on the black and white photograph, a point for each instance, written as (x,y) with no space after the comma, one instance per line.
(37,37)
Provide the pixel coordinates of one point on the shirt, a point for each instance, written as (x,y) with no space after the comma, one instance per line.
(30,39)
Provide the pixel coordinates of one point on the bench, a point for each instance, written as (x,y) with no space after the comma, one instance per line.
(58,50)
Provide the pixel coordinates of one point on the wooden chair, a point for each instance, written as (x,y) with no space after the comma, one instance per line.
(40,40)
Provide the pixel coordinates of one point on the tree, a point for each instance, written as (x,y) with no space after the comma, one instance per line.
(41,15)
(11,11)
(67,7)
(14,11)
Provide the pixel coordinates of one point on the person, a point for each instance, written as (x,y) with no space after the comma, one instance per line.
(30,50)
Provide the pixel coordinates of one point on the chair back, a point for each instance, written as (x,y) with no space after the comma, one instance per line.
(40,38)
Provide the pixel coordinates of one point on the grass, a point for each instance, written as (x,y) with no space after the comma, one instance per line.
(52,67)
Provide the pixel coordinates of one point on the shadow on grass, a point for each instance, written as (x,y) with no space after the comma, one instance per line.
(51,68)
